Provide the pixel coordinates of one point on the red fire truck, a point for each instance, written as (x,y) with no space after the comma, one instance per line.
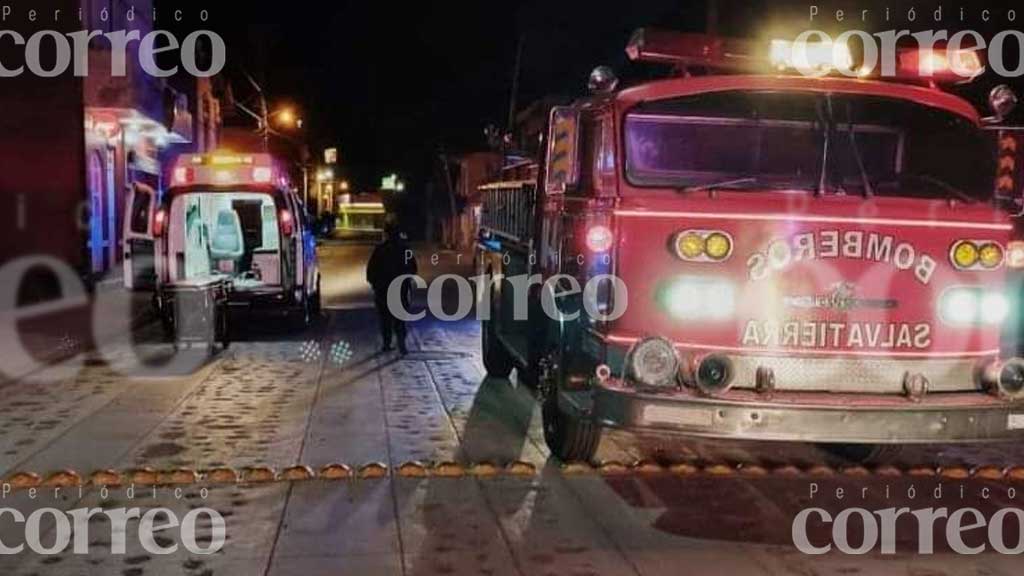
(740,252)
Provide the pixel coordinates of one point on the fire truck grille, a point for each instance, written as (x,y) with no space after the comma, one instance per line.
(857,375)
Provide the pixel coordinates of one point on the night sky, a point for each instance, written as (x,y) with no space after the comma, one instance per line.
(392,83)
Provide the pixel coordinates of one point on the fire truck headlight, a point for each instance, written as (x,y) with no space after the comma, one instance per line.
(968,305)
(699,298)
(653,362)
(959,306)
(994,308)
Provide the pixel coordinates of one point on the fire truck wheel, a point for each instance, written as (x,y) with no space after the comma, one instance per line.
(497,360)
(569,438)
(864,453)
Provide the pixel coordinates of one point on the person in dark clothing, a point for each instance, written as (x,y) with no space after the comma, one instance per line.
(390,260)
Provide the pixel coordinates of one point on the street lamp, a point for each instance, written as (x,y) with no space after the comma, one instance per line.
(286,117)
(344,185)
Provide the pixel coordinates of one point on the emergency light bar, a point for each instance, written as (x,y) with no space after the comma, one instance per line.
(939,64)
(226,169)
(819,57)
(684,50)
(816,57)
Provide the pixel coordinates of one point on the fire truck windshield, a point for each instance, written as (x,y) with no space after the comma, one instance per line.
(836,144)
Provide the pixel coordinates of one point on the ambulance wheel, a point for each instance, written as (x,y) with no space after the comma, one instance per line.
(570,439)
(167,324)
(224,327)
(497,360)
(303,315)
(864,453)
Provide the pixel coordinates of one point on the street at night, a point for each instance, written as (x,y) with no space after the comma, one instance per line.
(646,289)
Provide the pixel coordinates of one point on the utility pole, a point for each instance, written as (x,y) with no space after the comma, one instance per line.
(264,113)
(515,85)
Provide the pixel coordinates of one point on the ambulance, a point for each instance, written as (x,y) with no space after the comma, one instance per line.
(739,251)
(232,224)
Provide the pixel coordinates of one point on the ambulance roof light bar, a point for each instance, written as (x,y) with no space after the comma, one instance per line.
(226,169)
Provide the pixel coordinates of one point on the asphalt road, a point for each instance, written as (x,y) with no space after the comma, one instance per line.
(325,395)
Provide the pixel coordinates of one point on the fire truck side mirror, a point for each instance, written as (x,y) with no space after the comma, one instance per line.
(1002,100)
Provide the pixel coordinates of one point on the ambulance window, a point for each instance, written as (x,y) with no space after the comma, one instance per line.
(141,201)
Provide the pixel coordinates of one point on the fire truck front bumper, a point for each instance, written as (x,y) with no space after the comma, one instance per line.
(803,417)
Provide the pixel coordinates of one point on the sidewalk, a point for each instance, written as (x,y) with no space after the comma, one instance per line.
(53,333)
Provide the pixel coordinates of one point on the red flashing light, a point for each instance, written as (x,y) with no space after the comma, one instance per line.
(183,176)
(940,64)
(287,222)
(599,239)
(159,222)
(262,174)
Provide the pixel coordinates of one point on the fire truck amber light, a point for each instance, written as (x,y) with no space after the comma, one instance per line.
(653,362)
(717,246)
(990,255)
(703,246)
(690,246)
(977,255)
(599,239)
(965,254)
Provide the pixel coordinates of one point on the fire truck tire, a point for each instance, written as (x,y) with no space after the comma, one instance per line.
(864,453)
(570,439)
(497,360)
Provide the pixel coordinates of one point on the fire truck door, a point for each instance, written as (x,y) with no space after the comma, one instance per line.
(139,245)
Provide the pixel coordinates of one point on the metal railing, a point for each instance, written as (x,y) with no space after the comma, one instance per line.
(508,209)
